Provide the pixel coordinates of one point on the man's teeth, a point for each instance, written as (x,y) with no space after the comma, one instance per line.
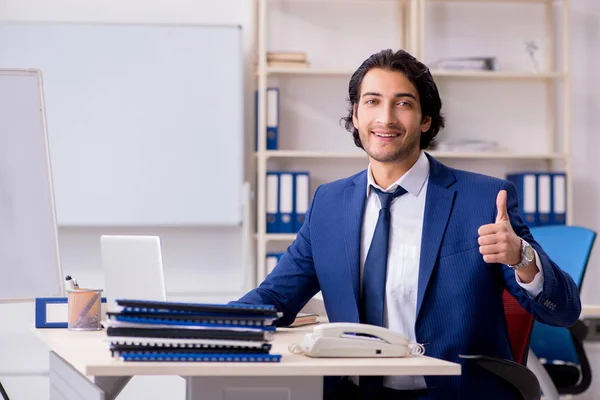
(386,135)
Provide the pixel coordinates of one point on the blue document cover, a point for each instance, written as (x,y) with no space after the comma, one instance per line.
(52,312)
(151,306)
(558,215)
(286,202)
(272,203)
(527,190)
(181,321)
(301,197)
(272,114)
(201,357)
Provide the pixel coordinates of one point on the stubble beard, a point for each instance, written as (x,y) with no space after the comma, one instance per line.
(400,154)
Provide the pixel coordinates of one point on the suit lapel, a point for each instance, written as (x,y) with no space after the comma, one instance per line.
(354,205)
(438,206)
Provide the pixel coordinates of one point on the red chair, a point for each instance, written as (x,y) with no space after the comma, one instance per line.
(520,326)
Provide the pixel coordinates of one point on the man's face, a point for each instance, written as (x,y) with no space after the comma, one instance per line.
(388,116)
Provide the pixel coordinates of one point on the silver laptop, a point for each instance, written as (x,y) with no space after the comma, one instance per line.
(132,267)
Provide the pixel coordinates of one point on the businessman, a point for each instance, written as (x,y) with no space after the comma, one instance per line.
(415,246)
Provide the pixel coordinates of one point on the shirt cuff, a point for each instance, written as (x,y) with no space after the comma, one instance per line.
(534,287)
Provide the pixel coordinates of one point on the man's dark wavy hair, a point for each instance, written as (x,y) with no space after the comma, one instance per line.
(417,73)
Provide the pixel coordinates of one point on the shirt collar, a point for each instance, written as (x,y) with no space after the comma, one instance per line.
(413,180)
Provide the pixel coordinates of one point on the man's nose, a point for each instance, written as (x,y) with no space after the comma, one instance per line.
(387,116)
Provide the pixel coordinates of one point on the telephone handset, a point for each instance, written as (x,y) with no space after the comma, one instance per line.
(344,339)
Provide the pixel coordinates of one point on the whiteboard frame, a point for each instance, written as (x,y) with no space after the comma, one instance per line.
(40,83)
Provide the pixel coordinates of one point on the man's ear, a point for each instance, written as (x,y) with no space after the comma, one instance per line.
(426,124)
(354,117)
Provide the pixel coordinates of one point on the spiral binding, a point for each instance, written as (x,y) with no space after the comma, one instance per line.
(177,357)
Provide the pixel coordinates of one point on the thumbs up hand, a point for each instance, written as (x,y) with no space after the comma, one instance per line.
(498,242)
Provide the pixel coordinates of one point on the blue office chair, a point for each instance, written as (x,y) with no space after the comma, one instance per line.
(560,349)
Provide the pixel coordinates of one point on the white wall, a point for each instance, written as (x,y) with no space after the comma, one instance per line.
(202,264)
(586,122)
(586,143)
(312,112)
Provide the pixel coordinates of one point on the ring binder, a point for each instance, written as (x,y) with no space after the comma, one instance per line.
(192,320)
(166,306)
(224,357)
(169,331)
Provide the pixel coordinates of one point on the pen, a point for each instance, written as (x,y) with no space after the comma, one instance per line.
(72,283)
(87,309)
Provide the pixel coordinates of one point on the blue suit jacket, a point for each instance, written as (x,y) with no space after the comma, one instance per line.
(459,303)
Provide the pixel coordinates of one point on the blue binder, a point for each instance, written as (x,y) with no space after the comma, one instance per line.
(205,357)
(558,215)
(272,106)
(272,260)
(526,184)
(57,306)
(286,202)
(272,203)
(272,118)
(301,197)
(544,198)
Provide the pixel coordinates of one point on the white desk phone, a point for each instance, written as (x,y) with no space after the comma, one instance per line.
(342,339)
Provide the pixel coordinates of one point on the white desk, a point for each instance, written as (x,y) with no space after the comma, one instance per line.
(81,367)
(590,311)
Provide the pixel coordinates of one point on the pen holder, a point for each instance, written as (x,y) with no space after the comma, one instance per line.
(84,309)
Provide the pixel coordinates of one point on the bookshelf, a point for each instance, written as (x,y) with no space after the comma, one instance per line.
(436,154)
(547,148)
(499,75)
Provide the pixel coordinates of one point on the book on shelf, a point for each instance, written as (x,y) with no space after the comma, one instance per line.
(465,145)
(467,64)
(287,64)
(285,59)
(287,56)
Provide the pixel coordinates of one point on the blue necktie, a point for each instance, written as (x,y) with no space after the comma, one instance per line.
(375,268)
(374,276)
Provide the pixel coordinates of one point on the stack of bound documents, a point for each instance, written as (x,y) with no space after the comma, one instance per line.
(168,331)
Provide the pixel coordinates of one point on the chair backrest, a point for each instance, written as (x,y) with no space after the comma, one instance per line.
(520,325)
(570,248)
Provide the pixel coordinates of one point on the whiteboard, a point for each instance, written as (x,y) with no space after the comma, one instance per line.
(29,260)
(145,122)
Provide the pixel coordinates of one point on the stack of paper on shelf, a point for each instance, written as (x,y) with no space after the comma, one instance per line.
(465,145)
(287,60)
(467,63)
(169,331)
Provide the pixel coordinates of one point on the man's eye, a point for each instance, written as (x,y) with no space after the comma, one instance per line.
(370,101)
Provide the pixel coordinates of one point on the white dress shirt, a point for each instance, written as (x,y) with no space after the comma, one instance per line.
(403,257)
